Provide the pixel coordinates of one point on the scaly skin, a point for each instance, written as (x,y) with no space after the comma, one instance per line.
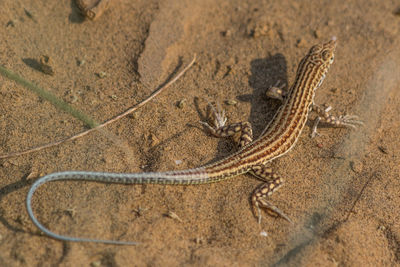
(280,135)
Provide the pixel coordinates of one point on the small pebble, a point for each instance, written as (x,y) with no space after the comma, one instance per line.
(45,62)
(134,115)
(181,103)
(178,162)
(29,15)
(10,23)
(144,166)
(95,264)
(260,30)
(198,240)
(173,215)
(101,74)
(80,62)
(74,99)
(140,211)
(231,102)
(383,149)
(226,33)
(263,233)
(71,212)
(153,140)
(92,9)
(32,174)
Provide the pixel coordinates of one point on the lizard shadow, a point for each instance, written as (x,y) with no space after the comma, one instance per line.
(265,72)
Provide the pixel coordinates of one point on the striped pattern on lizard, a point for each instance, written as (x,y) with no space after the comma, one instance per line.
(253,156)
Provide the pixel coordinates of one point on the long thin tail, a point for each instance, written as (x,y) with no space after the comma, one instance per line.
(191,176)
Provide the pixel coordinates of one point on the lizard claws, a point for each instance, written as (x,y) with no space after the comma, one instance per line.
(350,121)
(217,117)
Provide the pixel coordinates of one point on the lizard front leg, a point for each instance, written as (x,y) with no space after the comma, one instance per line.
(277,92)
(340,121)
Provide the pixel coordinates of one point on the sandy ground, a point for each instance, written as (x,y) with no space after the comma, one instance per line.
(342,188)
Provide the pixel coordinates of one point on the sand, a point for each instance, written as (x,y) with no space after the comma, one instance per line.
(342,188)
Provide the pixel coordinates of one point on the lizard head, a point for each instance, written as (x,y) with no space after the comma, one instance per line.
(323,54)
(317,61)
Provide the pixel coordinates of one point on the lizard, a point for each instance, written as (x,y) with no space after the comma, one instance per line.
(253,156)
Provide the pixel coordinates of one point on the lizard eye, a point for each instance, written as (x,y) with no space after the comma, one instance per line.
(326,55)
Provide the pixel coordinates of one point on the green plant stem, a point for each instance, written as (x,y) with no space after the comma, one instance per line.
(55,101)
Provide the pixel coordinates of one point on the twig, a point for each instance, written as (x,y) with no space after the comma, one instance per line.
(130,110)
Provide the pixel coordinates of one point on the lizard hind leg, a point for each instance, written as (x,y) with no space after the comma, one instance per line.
(261,193)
